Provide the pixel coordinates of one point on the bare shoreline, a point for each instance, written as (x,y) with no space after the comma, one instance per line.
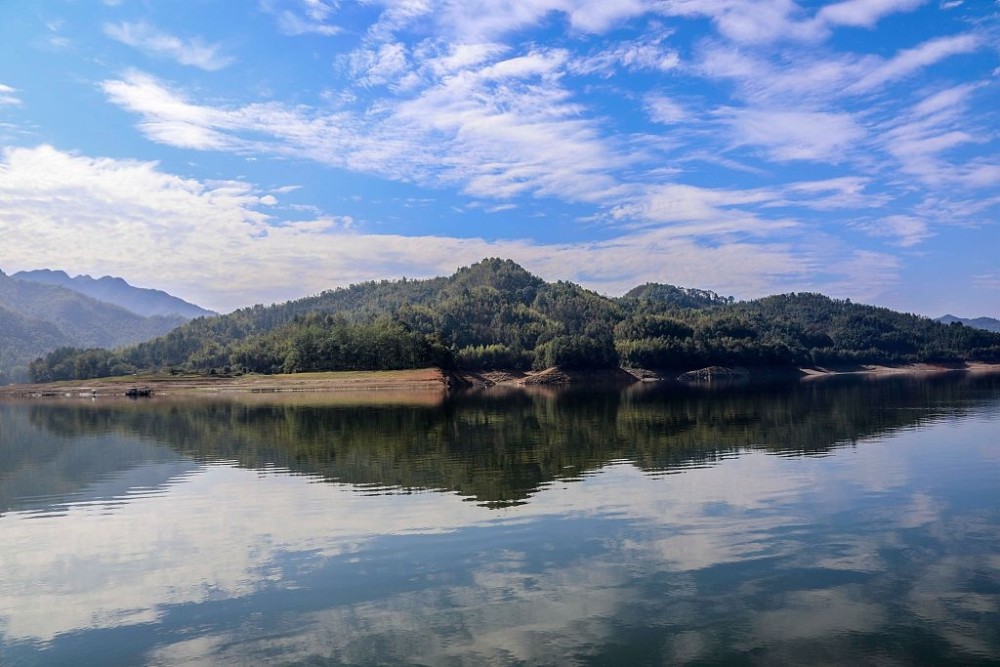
(425,380)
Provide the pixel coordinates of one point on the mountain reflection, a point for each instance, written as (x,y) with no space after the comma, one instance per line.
(497,447)
(654,526)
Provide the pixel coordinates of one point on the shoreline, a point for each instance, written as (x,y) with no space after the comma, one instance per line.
(436,380)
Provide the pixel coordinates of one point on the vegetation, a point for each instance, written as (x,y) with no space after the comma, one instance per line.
(495,314)
(36,319)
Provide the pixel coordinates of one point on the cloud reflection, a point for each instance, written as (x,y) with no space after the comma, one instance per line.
(756,554)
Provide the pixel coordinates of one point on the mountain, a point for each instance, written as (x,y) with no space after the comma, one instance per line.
(678,297)
(985,323)
(36,319)
(139,300)
(494,314)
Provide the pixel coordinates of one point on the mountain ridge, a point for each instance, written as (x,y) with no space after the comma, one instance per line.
(984,323)
(495,314)
(36,319)
(111,289)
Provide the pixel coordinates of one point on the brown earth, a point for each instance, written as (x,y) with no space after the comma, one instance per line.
(419,380)
(392,385)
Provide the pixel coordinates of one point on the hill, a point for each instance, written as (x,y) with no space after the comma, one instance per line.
(494,314)
(985,323)
(139,300)
(36,319)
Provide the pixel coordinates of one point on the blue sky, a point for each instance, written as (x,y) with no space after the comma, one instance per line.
(248,152)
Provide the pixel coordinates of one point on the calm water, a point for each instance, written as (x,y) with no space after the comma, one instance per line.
(848,522)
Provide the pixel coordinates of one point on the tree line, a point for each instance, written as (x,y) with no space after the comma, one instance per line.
(494,314)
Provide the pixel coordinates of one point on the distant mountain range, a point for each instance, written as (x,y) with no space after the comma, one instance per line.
(139,300)
(39,315)
(986,323)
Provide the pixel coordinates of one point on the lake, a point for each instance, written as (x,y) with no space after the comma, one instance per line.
(842,521)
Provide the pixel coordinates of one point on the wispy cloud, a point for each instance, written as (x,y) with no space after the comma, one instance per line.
(485,20)
(626,117)
(651,55)
(384,64)
(767,21)
(505,129)
(8,95)
(193,234)
(303,17)
(664,110)
(795,135)
(989,281)
(903,230)
(154,41)
(920,138)
(909,61)
(864,13)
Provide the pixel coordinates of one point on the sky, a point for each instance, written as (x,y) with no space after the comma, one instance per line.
(255,151)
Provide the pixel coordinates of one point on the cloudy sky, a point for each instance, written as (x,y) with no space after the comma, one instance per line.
(248,152)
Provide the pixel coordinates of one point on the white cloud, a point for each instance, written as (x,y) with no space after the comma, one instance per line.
(981,175)
(833,193)
(766,21)
(864,13)
(796,135)
(948,100)
(921,138)
(303,17)
(987,281)
(210,242)
(8,96)
(379,66)
(459,57)
(750,21)
(815,80)
(506,129)
(662,109)
(802,78)
(167,117)
(150,39)
(650,55)
(486,20)
(906,231)
(909,61)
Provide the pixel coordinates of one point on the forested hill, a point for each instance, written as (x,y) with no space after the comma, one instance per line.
(495,314)
(36,318)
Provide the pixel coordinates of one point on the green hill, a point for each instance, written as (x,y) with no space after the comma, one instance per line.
(494,314)
(37,318)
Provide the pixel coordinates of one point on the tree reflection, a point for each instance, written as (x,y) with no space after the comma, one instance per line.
(498,447)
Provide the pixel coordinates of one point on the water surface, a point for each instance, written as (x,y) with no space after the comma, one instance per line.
(839,522)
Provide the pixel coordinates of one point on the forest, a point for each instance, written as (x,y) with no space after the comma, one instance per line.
(496,315)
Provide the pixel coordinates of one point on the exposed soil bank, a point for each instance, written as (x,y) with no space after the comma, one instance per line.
(430,380)
(419,380)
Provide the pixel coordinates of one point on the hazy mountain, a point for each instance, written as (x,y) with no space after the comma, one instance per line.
(36,318)
(986,323)
(139,300)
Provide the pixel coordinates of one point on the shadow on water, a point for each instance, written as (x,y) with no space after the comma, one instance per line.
(497,447)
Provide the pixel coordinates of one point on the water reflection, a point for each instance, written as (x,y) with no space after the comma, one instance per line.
(497,447)
(641,527)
